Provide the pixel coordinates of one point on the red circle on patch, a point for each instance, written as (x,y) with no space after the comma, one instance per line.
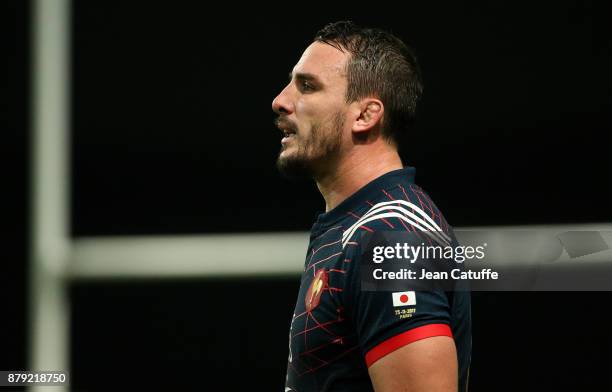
(403,298)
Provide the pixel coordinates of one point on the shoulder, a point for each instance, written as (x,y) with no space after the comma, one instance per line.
(402,207)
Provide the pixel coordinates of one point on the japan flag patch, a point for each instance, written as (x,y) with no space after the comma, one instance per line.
(404,298)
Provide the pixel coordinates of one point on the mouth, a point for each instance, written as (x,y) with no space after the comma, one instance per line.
(287,128)
(288,134)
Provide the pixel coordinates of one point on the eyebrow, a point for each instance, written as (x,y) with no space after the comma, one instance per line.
(305,77)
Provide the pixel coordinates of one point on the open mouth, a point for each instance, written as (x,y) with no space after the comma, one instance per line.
(287,128)
(288,134)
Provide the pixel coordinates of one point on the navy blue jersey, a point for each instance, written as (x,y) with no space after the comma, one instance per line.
(338,330)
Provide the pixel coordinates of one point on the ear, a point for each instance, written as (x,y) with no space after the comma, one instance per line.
(369,113)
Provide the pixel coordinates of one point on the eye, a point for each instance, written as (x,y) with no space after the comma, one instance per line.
(307,86)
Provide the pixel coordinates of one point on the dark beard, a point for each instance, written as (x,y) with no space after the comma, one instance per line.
(294,168)
(313,158)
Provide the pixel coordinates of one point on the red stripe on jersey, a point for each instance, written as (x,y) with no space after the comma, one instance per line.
(404,338)
(401,220)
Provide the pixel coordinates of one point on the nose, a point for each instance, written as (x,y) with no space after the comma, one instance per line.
(282,104)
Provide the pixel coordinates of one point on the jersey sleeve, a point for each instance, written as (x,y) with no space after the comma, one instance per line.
(386,321)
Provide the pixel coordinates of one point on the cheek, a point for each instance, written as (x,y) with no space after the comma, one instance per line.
(304,110)
(299,106)
(314,106)
(305,117)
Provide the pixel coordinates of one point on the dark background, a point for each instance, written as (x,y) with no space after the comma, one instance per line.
(172,133)
(14,88)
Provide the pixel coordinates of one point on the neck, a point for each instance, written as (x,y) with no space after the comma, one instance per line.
(355,170)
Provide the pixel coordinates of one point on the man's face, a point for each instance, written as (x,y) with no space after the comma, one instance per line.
(312,112)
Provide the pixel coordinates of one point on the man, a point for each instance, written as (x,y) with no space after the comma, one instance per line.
(350,95)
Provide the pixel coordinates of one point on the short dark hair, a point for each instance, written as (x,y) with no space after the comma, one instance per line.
(380,65)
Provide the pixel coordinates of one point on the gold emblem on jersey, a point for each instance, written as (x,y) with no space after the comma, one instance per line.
(317,286)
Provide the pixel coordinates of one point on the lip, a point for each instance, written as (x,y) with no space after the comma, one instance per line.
(286,139)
